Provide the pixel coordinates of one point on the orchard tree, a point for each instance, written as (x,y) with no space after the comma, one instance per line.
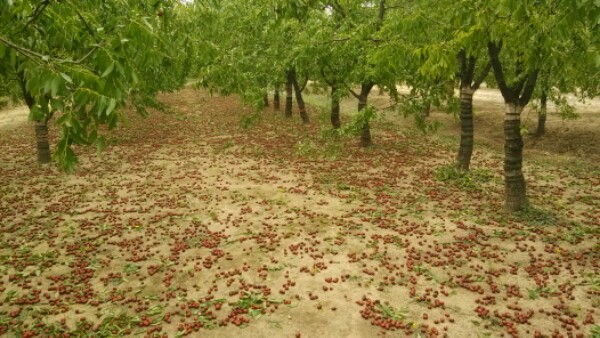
(331,59)
(520,41)
(525,40)
(354,36)
(443,43)
(370,18)
(577,73)
(262,58)
(471,79)
(81,61)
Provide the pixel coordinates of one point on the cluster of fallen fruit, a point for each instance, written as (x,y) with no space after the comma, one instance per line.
(426,260)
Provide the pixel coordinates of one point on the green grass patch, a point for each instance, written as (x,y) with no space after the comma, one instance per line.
(467,180)
(533,216)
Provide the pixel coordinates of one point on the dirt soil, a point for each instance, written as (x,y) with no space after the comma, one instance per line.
(209,220)
(13,116)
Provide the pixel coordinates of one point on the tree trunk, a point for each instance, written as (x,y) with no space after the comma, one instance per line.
(335,108)
(43,146)
(426,109)
(466,129)
(276,100)
(365,134)
(541,128)
(300,99)
(41,127)
(266,99)
(289,99)
(516,97)
(515,190)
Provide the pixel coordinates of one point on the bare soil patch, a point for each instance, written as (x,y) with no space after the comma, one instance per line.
(12,116)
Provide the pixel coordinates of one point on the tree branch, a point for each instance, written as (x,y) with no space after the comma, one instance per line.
(22,49)
(519,76)
(352,91)
(484,73)
(472,62)
(86,24)
(381,11)
(494,51)
(335,5)
(304,84)
(529,87)
(325,78)
(30,53)
(36,14)
(29,99)
(462,61)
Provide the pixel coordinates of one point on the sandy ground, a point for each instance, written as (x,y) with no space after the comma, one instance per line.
(13,116)
(189,224)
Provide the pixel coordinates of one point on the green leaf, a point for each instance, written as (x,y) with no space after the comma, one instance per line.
(64,155)
(147,24)
(36,113)
(64,120)
(111,106)
(135,79)
(57,105)
(92,137)
(113,119)
(81,98)
(66,77)
(54,86)
(108,70)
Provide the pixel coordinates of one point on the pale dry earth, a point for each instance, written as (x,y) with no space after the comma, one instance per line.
(189,220)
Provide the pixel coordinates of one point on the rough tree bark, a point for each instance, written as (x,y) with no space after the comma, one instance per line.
(43,145)
(289,99)
(516,193)
(516,96)
(300,99)
(465,151)
(469,84)
(266,99)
